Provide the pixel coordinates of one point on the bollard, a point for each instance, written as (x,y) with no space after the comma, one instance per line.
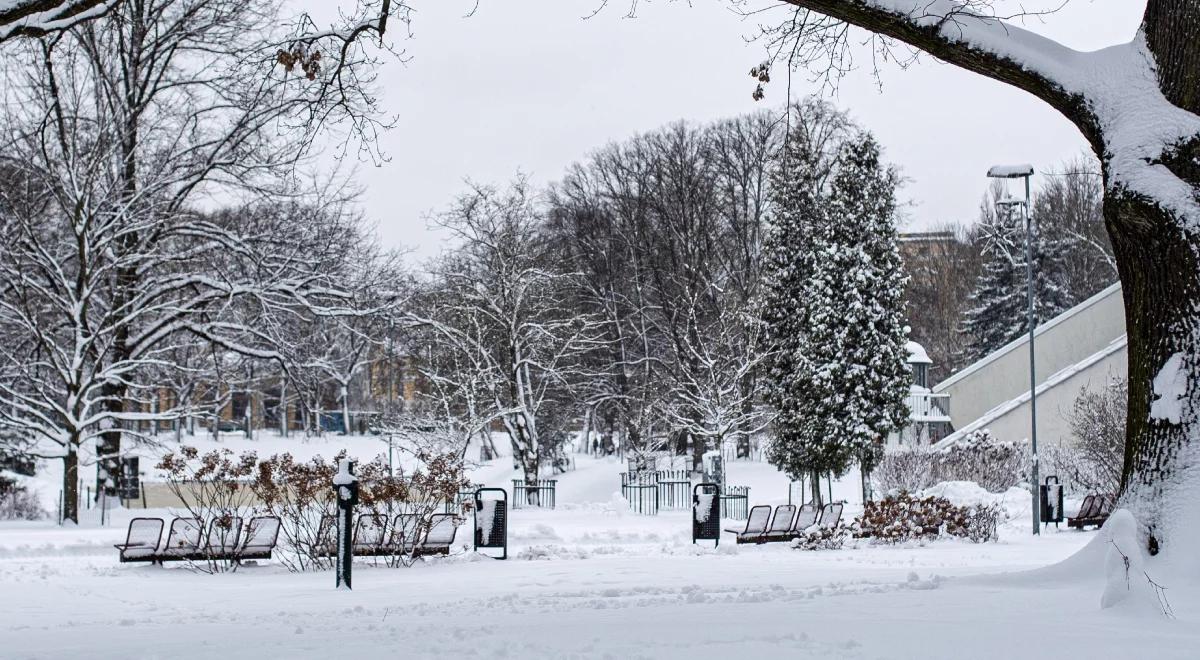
(345,485)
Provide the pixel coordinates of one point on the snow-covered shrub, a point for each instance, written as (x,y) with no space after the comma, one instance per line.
(213,488)
(17,502)
(822,538)
(300,495)
(996,465)
(909,469)
(902,518)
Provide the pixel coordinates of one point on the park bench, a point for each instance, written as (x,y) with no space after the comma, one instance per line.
(183,540)
(222,539)
(260,538)
(756,525)
(439,538)
(1094,511)
(831,515)
(369,536)
(141,541)
(781,525)
(806,517)
(403,539)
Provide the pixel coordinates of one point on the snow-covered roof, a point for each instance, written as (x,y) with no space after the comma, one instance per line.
(1010,171)
(917,354)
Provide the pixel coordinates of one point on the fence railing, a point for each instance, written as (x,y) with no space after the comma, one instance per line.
(735,502)
(923,405)
(652,490)
(537,494)
(674,489)
(640,489)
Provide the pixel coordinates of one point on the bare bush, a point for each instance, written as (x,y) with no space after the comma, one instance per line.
(904,470)
(17,502)
(1091,462)
(978,457)
(214,489)
(993,464)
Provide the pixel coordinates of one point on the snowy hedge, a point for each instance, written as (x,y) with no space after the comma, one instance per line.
(995,465)
(903,517)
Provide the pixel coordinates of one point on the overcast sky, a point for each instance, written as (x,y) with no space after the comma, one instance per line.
(529,85)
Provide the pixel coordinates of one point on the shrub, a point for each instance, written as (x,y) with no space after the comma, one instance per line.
(904,470)
(300,495)
(217,486)
(17,502)
(214,489)
(978,457)
(821,538)
(1091,462)
(902,518)
(993,464)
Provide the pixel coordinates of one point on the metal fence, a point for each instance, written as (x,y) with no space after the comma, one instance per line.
(538,494)
(640,489)
(735,502)
(674,489)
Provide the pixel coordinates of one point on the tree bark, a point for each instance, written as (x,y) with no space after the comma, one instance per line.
(60,14)
(70,488)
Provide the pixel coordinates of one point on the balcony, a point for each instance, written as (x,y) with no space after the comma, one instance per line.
(928,407)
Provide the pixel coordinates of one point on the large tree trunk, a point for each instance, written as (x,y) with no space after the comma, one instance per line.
(1160,279)
(1158,256)
(70,487)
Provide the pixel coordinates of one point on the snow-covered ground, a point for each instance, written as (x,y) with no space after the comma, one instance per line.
(586,580)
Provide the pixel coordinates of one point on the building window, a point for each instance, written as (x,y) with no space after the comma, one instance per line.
(921,374)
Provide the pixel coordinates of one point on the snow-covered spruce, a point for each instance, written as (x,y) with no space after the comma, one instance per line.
(833,312)
(999,303)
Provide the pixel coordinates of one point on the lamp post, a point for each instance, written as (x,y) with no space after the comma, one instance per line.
(1025,172)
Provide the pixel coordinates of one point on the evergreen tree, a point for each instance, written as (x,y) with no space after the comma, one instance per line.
(835,319)
(999,305)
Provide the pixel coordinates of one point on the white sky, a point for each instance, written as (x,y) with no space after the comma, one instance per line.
(529,85)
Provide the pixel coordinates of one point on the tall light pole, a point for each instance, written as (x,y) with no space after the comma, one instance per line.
(1025,172)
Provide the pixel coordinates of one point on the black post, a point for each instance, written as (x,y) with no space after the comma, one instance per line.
(345,484)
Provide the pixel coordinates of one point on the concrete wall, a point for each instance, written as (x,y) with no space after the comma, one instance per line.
(1055,398)
(1068,339)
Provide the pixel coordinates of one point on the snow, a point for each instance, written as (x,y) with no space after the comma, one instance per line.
(1016,502)
(585,582)
(1010,171)
(343,476)
(917,354)
(1170,391)
(703,507)
(487,518)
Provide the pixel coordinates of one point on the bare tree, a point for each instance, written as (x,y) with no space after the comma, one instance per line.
(501,303)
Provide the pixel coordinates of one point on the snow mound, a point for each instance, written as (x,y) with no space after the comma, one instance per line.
(1015,502)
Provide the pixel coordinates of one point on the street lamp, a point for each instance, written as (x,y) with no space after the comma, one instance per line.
(1025,172)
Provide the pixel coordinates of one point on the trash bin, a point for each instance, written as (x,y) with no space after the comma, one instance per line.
(1052,500)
